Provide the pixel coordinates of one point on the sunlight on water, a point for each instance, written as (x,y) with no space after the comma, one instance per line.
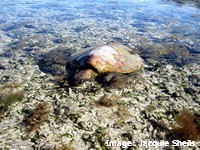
(152,27)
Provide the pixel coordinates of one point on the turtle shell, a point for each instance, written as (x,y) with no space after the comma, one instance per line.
(104,59)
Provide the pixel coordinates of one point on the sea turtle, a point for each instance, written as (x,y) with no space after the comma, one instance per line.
(91,62)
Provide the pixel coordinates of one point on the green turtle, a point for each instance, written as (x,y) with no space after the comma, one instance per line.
(91,62)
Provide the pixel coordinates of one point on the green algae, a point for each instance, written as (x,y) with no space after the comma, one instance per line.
(10,99)
(9,96)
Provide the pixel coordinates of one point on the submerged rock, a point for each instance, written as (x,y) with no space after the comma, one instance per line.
(53,62)
(89,63)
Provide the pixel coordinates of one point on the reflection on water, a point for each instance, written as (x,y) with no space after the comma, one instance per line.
(157,29)
(188,2)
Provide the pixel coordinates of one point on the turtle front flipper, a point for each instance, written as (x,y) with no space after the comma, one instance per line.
(81,76)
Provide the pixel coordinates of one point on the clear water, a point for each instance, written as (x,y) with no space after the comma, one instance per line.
(159,29)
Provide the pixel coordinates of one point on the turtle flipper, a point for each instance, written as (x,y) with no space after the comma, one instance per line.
(81,76)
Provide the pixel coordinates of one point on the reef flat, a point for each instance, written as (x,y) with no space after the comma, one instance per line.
(39,110)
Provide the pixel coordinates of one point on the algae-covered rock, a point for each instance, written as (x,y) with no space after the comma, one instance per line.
(53,62)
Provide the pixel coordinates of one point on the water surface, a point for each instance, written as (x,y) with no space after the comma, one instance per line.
(160,29)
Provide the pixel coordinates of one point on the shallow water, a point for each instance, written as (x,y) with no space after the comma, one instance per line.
(37,36)
(163,30)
